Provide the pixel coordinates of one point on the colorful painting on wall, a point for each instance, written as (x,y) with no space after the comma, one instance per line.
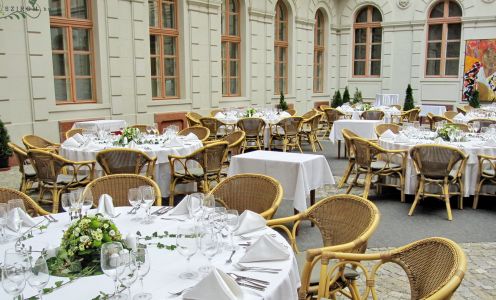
(480,69)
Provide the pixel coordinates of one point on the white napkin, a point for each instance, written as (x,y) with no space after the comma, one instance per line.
(132,145)
(388,134)
(401,138)
(257,115)
(460,117)
(17,214)
(217,285)
(394,110)
(284,114)
(491,142)
(79,138)
(174,142)
(266,248)
(181,208)
(438,140)
(71,143)
(220,115)
(249,221)
(191,137)
(106,205)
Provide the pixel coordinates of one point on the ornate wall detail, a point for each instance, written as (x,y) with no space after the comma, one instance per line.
(403,4)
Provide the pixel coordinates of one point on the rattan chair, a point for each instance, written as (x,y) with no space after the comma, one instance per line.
(193,119)
(433,119)
(324,107)
(37,142)
(118,185)
(441,166)
(213,112)
(291,111)
(217,128)
(397,106)
(203,133)
(345,222)
(467,107)
(309,130)
(309,114)
(28,174)
(410,116)
(58,174)
(332,115)
(32,208)
(450,114)
(483,122)
(287,131)
(461,110)
(254,130)
(373,160)
(347,136)
(372,115)
(126,161)
(487,175)
(256,192)
(435,267)
(235,140)
(381,128)
(141,127)
(202,166)
(71,132)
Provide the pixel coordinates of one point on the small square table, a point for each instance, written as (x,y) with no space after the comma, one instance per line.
(299,174)
(363,128)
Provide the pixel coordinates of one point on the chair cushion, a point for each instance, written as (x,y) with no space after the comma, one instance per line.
(349,273)
(66,179)
(196,172)
(380,164)
(489,172)
(29,171)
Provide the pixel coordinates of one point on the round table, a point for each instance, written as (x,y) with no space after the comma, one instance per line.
(165,264)
(162,166)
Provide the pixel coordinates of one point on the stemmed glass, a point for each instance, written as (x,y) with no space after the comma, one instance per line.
(130,273)
(476,126)
(135,198)
(232,219)
(38,276)
(4,213)
(112,261)
(208,243)
(194,203)
(187,246)
(15,267)
(86,202)
(148,195)
(143,267)
(65,201)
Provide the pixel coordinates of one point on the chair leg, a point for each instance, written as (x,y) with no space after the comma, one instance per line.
(402,188)
(420,191)
(368,182)
(447,200)
(477,192)
(354,291)
(352,183)
(346,174)
(55,199)
(318,143)
(172,189)
(339,149)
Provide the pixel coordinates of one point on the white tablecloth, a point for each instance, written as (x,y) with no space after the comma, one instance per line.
(108,125)
(298,173)
(165,265)
(356,114)
(162,166)
(470,175)
(364,128)
(387,99)
(437,110)
(266,134)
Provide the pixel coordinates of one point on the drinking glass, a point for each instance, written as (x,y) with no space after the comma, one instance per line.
(232,219)
(135,199)
(65,201)
(149,129)
(76,203)
(4,214)
(187,246)
(87,202)
(38,276)
(143,267)
(15,267)
(148,195)
(208,243)
(130,273)
(476,126)
(194,204)
(208,205)
(112,262)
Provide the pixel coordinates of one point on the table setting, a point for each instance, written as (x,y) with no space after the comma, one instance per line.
(196,251)
(475,114)
(96,125)
(355,112)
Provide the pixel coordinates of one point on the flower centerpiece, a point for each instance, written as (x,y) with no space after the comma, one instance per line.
(79,251)
(129,134)
(250,112)
(444,131)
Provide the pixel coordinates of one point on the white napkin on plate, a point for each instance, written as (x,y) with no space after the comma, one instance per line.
(79,138)
(71,143)
(191,137)
(491,142)
(401,138)
(249,221)
(181,208)
(217,285)
(106,205)
(17,214)
(284,114)
(174,142)
(388,134)
(266,248)
(220,115)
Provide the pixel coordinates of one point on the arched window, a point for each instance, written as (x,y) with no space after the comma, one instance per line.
(443,39)
(281,46)
(367,42)
(164,56)
(231,50)
(318,53)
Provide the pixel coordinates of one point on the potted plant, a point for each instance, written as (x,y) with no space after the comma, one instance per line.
(282,103)
(346,95)
(357,97)
(336,100)
(5,151)
(408,99)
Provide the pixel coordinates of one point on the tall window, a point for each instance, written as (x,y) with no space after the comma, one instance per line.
(164,58)
(367,42)
(318,53)
(71,30)
(443,40)
(281,49)
(231,41)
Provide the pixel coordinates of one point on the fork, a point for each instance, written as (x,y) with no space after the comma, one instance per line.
(229,260)
(180,292)
(52,218)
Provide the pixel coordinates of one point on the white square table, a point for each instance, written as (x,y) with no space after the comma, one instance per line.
(299,174)
(438,110)
(363,128)
(387,99)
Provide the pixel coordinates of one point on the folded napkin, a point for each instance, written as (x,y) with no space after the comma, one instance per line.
(217,285)
(106,205)
(394,110)
(249,221)
(71,143)
(438,140)
(459,116)
(191,137)
(491,142)
(79,138)
(284,114)
(181,208)
(388,134)
(132,145)
(173,142)
(18,214)
(401,138)
(220,115)
(266,248)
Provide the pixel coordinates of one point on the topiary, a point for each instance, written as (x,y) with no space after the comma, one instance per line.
(409,102)
(282,103)
(346,95)
(357,97)
(5,151)
(336,100)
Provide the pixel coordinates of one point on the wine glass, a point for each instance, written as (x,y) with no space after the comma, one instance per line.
(148,195)
(4,212)
(476,126)
(232,219)
(87,202)
(112,262)
(38,276)
(65,201)
(187,247)
(149,129)
(15,267)
(143,267)
(130,273)
(194,204)
(135,198)
(208,243)
(76,203)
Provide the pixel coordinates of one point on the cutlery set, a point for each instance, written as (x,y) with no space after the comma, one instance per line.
(253,283)
(50,218)
(162,211)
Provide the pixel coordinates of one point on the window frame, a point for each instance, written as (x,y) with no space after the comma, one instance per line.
(281,44)
(161,32)
(67,23)
(369,25)
(319,49)
(226,40)
(445,21)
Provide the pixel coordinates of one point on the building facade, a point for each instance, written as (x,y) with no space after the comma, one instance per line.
(147,61)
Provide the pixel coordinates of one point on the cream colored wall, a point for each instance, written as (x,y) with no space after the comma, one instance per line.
(27,102)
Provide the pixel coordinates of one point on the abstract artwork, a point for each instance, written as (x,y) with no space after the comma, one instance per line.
(480,69)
